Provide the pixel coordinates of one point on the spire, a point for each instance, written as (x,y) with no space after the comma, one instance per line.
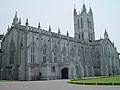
(67,33)
(106,34)
(27,22)
(49,28)
(75,12)
(19,21)
(84,8)
(58,30)
(39,25)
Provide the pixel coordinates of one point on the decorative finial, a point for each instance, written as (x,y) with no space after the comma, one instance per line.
(75,12)
(67,33)
(15,20)
(58,30)
(90,11)
(74,6)
(84,8)
(49,28)
(83,2)
(27,22)
(8,28)
(39,25)
(106,34)
(16,14)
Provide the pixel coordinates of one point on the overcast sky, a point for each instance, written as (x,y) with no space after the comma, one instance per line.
(59,14)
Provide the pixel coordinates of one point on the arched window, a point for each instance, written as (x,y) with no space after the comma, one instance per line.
(32,48)
(81,23)
(89,23)
(12,55)
(79,36)
(72,52)
(82,36)
(64,55)
(54,54)
(53,69)
(78,23)
(12,52)
(44,53)
(44,50)
(32,53)
(44,59)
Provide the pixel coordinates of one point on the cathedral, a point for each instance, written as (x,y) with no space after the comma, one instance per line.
(32,53)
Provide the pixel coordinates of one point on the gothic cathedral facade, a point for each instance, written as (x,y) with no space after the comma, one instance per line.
(31,53)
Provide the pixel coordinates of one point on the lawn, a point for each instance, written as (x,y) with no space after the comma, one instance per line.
(6,80)
(104,80)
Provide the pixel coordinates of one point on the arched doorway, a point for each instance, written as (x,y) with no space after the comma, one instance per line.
(64,73)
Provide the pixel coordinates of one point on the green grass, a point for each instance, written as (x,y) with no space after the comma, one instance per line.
(105,80)
(6,80)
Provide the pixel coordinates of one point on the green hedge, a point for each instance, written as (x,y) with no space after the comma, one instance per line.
(104,83)
(116,83)
(89,83)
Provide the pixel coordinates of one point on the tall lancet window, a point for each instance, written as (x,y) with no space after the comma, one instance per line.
(54,53)
(81,23)
(44,55)
(89,23)
(33,53)
(78,23)
(64,54)
(12,52)
(55,57)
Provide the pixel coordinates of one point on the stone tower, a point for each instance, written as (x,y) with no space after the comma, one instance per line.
(84,25)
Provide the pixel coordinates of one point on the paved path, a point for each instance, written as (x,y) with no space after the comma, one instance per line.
(50,85)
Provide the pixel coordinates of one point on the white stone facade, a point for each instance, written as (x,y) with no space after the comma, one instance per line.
(31,53)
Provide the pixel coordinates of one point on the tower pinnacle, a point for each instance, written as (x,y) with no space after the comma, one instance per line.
(39,25)
(27,22)
(90,11)
(67,33)
(106,34)
(49,28)
(15,20)
(58,30)
(19,21)
(84,8)
(75,12)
